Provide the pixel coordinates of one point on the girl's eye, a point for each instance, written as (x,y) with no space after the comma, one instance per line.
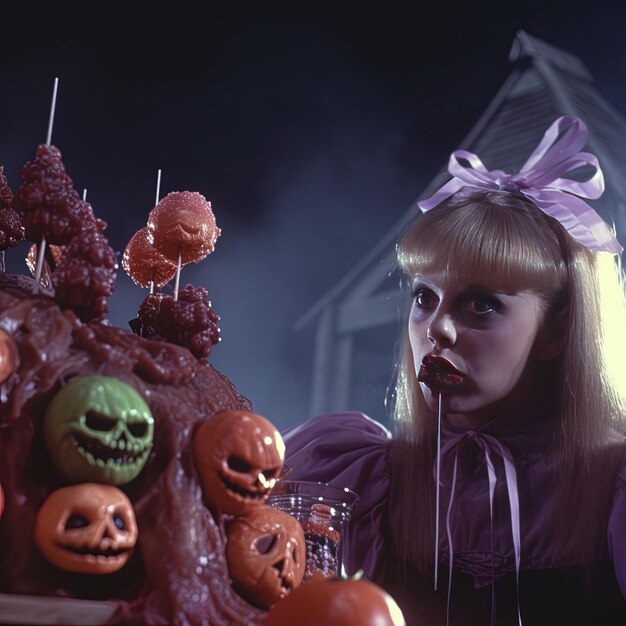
(482,304)
(425,298)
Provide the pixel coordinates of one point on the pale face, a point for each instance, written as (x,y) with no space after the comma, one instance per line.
(495,342)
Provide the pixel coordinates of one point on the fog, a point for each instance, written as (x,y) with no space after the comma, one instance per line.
(310,133)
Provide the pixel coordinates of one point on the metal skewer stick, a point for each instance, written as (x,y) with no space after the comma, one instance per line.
(41,251)
(156,201)
(158,187)
(437,473)
(52,107)
(177,276)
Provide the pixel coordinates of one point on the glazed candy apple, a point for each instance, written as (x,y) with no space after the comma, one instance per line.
(183,223)
(340,602)
(144,263)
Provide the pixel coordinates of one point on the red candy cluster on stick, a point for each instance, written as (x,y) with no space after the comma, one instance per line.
(85,276)
(11,229)
(6,195)
(81,262)
(47,202)
(188,321)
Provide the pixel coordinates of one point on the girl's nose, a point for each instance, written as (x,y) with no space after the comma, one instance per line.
(442,330)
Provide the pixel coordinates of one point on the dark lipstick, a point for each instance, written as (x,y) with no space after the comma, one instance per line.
(436,372)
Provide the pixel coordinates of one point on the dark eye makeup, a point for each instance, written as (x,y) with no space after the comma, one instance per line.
(424,297)
(482,304)
(475,302)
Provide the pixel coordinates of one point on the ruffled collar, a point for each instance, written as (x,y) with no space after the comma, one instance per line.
(521,430)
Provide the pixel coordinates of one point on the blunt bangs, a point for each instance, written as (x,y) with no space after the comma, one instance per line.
(492,239)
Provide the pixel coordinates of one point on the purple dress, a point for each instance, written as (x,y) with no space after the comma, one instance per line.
(486,544)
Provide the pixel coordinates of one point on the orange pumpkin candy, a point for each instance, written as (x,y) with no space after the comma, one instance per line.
(238,455)
(87,528)
(266,555)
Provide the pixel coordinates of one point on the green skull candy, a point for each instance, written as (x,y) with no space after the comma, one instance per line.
(98,429)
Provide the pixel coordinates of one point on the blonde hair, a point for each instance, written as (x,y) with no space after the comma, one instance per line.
(507,244)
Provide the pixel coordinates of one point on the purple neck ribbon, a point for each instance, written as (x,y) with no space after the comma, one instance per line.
(488,445)
(542,179)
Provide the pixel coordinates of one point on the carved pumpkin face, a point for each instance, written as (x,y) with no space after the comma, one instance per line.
(239,456)
(266,555)
(87,528)
(8,355)
(98,429)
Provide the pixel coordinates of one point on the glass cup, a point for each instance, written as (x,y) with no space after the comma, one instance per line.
(323,510)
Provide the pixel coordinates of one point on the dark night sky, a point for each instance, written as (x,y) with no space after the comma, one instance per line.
(311,131)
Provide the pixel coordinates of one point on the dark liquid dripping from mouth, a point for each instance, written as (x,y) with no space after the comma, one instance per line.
(437,374)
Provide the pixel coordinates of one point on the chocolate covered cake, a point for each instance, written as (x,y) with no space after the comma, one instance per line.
(82,401)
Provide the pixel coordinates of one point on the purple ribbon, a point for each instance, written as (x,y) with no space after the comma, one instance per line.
(543,180)
(489,445)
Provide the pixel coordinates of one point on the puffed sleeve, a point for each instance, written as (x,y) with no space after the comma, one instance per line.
(617,530)
(348,450)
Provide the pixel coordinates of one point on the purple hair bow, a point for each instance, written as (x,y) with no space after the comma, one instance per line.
(542,179)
